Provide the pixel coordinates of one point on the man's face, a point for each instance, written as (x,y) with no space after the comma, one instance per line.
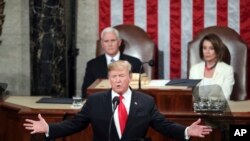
(119,80)
(110,43)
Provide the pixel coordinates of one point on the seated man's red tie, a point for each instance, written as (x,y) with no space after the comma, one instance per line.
(122,113)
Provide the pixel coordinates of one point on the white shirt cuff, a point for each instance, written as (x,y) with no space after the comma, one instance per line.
(186,134)
(47,134)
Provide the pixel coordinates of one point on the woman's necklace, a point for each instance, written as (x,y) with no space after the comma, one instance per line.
(210,68)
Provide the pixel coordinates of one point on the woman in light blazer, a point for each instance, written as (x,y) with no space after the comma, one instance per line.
(212,70)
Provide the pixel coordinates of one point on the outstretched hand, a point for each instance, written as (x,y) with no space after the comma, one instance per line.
(197,130)
(40,126)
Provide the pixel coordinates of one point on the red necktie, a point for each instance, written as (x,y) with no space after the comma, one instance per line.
(122,114)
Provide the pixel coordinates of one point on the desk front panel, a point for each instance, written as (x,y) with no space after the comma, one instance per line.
(167,99)
(14,115)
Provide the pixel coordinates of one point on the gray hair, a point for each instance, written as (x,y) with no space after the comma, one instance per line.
(110,29)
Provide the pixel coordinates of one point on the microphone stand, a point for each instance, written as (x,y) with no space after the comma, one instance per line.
(139,87)
(150,63)
(116,102)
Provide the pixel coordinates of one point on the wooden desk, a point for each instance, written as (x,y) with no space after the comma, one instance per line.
(15,109)
(176,104)
(168,99)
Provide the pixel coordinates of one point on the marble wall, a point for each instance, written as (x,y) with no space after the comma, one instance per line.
(49,51)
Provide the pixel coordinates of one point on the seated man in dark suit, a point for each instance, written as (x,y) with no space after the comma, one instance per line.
(135,113)
(97,67)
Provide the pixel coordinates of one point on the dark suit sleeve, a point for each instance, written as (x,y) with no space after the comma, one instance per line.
(136,64)
(70,126)
(95,69)
(88,79)
(166,127)
(160,123)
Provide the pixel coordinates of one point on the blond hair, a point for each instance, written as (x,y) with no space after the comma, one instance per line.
(120,65)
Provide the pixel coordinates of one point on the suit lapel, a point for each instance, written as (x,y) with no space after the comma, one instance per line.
(202,72)
(122,57)
(218,70)
(107,101)
(103,64)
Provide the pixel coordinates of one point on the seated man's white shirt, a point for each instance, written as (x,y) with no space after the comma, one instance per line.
(115,58)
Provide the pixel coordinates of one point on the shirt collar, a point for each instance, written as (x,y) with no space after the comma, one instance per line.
(126,95)
(116,57)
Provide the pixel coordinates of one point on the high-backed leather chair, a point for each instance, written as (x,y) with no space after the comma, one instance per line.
(236,56)
(136,43)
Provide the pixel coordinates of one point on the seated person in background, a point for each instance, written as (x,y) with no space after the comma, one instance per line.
(97,67)
(212,70)
(135,113)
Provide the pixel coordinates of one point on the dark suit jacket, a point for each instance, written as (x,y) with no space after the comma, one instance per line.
(98,110)
(97,68)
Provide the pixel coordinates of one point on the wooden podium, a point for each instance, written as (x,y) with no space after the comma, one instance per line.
(174,103)
(168,98)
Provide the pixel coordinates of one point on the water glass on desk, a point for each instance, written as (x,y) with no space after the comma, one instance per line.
(77,101)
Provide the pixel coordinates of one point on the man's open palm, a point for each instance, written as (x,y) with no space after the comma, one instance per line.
(39,126)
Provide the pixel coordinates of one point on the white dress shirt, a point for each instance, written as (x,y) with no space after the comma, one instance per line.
(115,58)
(126,101)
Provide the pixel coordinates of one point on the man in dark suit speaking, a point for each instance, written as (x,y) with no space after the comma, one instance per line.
(135,113)
(97,67)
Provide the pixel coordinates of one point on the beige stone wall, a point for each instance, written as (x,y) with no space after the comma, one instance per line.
(14,50)
(87,34)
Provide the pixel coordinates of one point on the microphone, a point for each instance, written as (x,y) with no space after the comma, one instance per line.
(151,64)
(3,87)
(3,91)
(115,101)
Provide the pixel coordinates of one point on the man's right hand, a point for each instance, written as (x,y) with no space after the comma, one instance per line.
(40,126)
